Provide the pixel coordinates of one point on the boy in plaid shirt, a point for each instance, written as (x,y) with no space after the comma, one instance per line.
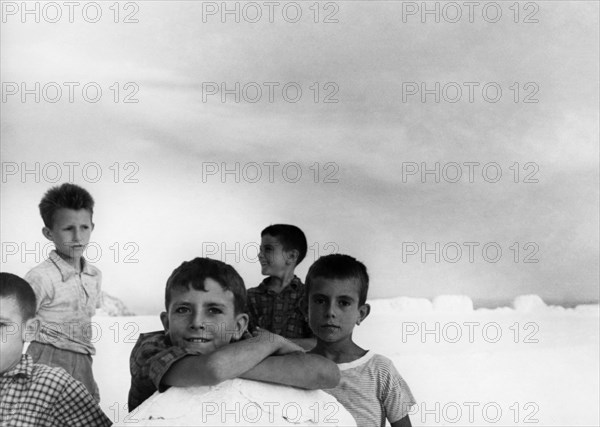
(274,304)
(32,394)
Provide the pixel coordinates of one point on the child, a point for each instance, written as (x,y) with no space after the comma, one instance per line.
(32,394)
(370,388)
(274,304)
(205,302)
(67,287)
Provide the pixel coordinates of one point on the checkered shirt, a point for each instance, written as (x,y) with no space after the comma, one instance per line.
(278,312)
(37,395)
(151,358)
(66,302)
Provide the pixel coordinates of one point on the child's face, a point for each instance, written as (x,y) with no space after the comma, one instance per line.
(333,308)
(273,259)
(12,332)
(70,232)
(203,321)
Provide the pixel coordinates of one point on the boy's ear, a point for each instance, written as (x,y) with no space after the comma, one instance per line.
(164,318)
(241,324)
(47,233)
(30,329)
(363,312)
(292,256)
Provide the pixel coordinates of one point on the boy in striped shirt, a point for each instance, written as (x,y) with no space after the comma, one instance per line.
(370,387)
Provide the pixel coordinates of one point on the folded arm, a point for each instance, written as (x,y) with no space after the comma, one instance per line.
(308,371)
(229,361)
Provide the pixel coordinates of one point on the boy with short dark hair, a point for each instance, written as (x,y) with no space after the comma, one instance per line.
(370,388)
(34,394)
(274,305)
(67,287)
(205,302)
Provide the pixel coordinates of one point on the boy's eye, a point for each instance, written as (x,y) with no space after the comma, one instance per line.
(214,310)
(182,310)
(344,303)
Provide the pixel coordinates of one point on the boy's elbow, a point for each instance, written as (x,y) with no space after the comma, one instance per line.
(326,373)
(330,377)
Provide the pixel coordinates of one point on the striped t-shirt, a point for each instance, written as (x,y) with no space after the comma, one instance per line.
(372,390)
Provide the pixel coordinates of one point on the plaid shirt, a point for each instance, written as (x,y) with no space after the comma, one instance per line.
(151,358)
(38,395)
(278,312)
(66,302)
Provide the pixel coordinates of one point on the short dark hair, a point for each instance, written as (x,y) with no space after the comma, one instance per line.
(69,196)
(193,274)
(12,286)
(339,266)
(290,236)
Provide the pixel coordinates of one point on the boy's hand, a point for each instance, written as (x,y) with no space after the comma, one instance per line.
(283,345)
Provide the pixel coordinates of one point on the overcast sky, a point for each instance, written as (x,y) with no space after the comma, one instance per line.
(520,98)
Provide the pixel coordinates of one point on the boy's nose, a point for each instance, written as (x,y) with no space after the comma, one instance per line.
(330,312)
(197,321)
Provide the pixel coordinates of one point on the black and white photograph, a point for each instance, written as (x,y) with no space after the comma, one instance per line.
(337,213)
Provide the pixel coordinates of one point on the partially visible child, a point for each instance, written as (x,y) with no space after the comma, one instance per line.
(205,302)
(370,388)
(33,394)
(274,305)
(67,287)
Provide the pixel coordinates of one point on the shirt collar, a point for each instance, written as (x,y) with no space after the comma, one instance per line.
(24,368)
(294,285)
(66,270)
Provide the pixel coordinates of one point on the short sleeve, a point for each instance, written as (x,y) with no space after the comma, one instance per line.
(161,362)
(395,394)
(43,290)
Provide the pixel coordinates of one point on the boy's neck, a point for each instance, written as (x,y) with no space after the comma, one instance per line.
(75,262)
(279,283)
(339,352)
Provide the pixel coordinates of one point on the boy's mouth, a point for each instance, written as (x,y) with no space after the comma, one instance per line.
(197,340)
(330,327)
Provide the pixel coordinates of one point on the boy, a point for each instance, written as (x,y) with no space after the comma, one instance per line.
(67,287)
(205,302)
(274,304)
(32,394)
(370,388)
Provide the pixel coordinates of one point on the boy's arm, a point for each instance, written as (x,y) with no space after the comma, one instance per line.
(308,371)
(403,422)
(306,343)
(229,361)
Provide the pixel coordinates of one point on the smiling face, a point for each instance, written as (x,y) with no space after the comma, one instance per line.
(12,332)
(333,309)
(203,321)
(274,259)
(70,232)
